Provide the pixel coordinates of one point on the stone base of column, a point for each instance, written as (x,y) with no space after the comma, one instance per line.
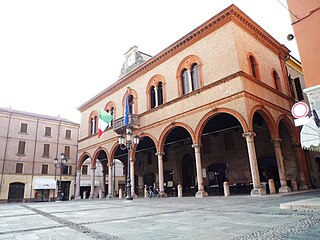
(303,187)
(163,195)
(201,193)
(258,192)
(77,197)
(284,189)
(134,195)
(91,197)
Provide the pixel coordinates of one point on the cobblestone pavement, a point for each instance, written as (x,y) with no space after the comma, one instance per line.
(235,217)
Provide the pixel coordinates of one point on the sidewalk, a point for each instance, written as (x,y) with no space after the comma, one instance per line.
(235,217)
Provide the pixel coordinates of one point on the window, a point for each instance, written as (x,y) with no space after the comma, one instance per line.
(46,150)
(152,97)
(276,80)
(67,151)
(160,93)
(65,170)
(298,89)
(189,75)
(68,134)
(253,67)
(131,102)
(195,77)
(185,82)
(21,147)
(84,169)
(24,128)
(19,167)
(93,123)
(47,132)
(44,169)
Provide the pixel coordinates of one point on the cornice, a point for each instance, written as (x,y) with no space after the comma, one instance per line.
(232,13)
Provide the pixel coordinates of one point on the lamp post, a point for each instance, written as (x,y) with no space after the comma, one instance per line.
(128,145)
(61,165)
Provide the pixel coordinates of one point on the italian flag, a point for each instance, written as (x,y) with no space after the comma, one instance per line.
(104,121)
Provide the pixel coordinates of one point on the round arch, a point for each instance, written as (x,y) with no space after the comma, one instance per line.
(82,158)
(290,127)
(211,114)
(266,115)
(168,129)
(96,154)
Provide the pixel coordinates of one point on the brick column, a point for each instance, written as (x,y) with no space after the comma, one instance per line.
(93,176)
(257,190)
(78,185)
(301,168)
(281,169)
(201,192)
(160,172)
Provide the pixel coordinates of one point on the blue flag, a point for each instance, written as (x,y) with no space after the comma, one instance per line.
(126,113)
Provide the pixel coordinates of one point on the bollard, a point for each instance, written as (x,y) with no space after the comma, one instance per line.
(272,188)
(145,191)
(120,193)
(179,191)
(84,195)
(100,194)
(226,189)
(294,185)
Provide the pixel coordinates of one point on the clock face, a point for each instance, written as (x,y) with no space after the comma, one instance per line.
(131,59)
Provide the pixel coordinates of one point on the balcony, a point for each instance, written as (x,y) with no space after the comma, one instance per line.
(120,128)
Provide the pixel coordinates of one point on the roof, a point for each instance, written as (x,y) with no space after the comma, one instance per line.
(35,115)
(231,13)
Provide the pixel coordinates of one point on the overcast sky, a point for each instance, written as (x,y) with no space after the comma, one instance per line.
(56,55)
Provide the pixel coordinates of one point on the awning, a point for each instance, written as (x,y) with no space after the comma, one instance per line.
(44,183)
(310,136)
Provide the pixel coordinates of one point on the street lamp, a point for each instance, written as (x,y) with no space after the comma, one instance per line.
(128,145)
(61,165)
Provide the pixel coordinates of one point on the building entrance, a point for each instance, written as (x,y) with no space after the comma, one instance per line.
(16,192)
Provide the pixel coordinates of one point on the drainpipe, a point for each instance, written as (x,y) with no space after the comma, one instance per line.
(5,152)
(34,158)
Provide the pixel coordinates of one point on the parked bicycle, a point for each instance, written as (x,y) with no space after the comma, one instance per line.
(152,192)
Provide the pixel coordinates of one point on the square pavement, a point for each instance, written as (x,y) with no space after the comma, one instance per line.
(235,217)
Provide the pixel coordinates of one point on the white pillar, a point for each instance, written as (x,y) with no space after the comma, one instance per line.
(110,182)
(93,170)
(133,194)
(160,172)
(78,185)
(201,192)
(257,189)
(156,96)
(281,169)
(190,81)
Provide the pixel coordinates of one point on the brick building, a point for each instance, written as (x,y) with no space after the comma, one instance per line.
(212,107)
(29,143)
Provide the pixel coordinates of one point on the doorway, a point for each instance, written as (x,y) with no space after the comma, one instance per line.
(16,192)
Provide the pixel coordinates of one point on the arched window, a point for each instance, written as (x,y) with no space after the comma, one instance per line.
(195,77)
(185,82)
(111,112)
(152,97)
(276,80)
(253,66)
(160,93)
(189,75)
(93,124)
(131,104)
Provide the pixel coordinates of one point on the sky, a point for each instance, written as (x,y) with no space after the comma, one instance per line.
(56,55)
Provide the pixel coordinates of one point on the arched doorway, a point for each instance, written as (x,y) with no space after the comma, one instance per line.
(188,175)
(16,192)
(224,155)
(267,161)
(178,160)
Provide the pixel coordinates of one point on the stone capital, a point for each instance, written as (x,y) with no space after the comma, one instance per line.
(249,135)
(159,153)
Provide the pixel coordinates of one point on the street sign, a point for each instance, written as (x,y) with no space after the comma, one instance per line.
(300,109)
